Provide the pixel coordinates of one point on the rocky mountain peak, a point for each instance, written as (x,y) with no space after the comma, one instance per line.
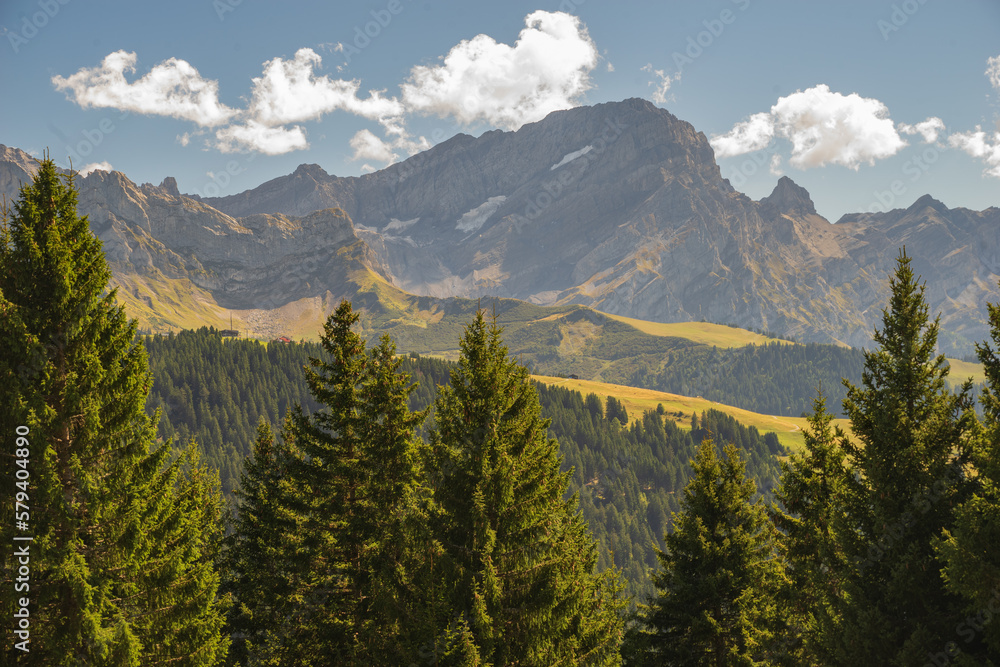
(927,202)
(169,186)
(313,171)
(17,157)
(788,198)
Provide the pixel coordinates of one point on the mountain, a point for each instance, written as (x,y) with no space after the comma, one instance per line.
(956,251)
(179,263)
(620,207)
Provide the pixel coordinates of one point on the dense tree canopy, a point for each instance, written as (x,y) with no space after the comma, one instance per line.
(123,533)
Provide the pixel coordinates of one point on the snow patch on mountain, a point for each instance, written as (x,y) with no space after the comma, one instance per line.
(569,157)
(395,224)
(474,219)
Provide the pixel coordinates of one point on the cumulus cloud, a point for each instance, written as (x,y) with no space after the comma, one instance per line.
(367,146)
(747,136)
(87,169)
(547,69)
(980,145)
(660,92)
(829,128)
(290,92)
(993,71)
(173,88)
(776,165)
(258,137)
(929,129)
(824,127)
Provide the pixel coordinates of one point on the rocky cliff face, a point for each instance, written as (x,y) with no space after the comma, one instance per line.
(188,264)
(618,206)
(622,207)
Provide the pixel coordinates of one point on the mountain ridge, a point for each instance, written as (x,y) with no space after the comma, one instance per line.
(619,207)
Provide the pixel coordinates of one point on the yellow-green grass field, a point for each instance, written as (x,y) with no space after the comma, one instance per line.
(706,333)
(960,370)
(637,401)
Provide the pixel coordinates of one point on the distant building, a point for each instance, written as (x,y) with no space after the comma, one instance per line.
(574,376)
(230,332)
(282,339)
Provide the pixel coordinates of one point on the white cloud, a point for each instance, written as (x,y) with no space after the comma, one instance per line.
(776,165)
(747,136)
(829,128)
(289,92)
(254,136)
(929,129)
(660,93)
(824,127)
(993,71)
(369,147)
(173,88)
(979,144)
(547,69)
(87,169)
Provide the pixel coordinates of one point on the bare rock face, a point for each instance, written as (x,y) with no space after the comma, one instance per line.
(17,168)
(262,262)
(619,206)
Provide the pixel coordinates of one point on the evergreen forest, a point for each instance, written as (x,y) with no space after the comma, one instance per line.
(193,501)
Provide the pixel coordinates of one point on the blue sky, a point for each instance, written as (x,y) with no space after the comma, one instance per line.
(867,104)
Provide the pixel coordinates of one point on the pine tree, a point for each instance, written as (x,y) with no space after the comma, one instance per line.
(912,445)
(813,492)
(970,551)
(720,572)
(255,561)
(123,540)
(340,502)
(518,557)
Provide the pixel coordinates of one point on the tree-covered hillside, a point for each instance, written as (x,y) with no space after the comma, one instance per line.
(773,379)
(215,389)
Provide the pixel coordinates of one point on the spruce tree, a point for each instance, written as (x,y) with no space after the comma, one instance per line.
(912,443)
(720,573)
(339,500)
(519,560)
(254,564)
(813,492)
(970,551)
(123,538)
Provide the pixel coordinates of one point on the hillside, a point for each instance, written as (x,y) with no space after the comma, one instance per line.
(629,477)
(680,408)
